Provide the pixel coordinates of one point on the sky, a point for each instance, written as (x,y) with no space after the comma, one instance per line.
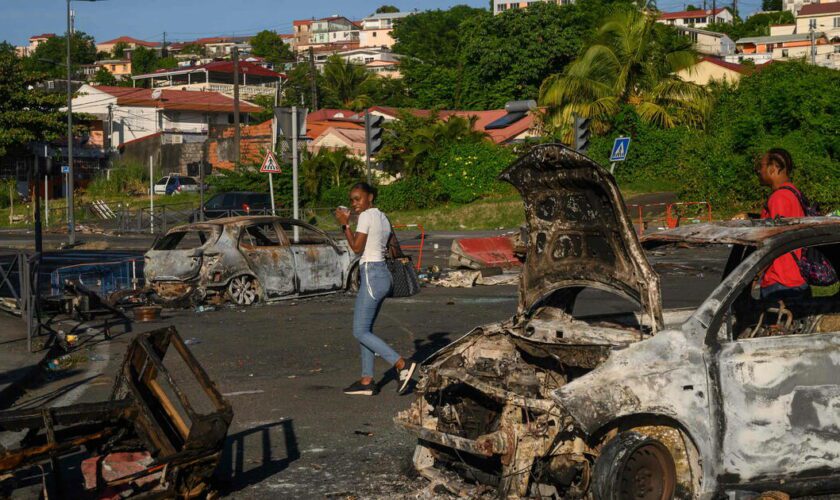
(191,19)
(184,19)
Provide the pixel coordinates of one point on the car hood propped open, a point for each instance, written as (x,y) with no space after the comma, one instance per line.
(579,234)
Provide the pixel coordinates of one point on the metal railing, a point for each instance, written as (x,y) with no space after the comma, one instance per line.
(19,281)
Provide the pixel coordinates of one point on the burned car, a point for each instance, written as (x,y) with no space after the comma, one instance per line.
(248,259)
(736,395)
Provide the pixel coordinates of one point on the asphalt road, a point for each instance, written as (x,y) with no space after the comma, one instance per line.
(282,367)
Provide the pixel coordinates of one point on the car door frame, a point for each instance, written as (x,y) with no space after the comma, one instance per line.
(719,341)
(301,269)
(278,253)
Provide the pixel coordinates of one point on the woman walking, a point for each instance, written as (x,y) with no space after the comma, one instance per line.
(373,231)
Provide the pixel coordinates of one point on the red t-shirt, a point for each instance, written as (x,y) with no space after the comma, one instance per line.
(784,270)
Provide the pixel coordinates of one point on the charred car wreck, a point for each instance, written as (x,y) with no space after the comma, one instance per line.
(736,395)
(160,435)
(247,260)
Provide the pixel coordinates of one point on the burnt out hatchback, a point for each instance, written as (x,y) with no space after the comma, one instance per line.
(247,260)
(738,395)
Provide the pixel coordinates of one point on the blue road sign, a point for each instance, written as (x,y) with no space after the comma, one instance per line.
(65,169)
(619,150)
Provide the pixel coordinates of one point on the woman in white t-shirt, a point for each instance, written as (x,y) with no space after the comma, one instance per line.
(373,231)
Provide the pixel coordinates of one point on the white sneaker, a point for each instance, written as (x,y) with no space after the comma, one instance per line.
(405,377)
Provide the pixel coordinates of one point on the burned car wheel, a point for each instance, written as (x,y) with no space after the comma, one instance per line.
(633,466)
(243,290)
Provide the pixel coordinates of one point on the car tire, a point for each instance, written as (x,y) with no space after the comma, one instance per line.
(243,290)
(634,466)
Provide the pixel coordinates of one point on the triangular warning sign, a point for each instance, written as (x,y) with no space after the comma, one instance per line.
(270,165)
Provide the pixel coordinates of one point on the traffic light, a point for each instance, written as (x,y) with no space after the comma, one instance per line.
(373,132)
(581,134)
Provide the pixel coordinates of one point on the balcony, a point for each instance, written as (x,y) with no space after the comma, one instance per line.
(245,91)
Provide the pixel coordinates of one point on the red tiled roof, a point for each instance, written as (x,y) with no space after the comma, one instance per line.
(285,36)
(690,13)
(43,35)
(178,100)
(484,118)
(302,22)
(128,39)
(728,65)
(814,9)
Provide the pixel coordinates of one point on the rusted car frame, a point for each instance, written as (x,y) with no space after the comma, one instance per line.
(248,259)
(660,404)
(149,411)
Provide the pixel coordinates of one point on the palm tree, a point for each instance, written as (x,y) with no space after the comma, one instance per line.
(328,168)
(628,63)
(343,83)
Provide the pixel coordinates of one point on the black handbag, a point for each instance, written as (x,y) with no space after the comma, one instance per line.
(403,276)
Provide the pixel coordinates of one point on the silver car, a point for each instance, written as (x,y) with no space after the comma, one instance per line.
(736,396)
(248,259)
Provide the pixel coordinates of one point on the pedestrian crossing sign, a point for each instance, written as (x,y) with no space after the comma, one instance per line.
(619,149)
(270,165)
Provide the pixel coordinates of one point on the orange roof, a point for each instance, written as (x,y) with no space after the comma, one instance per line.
(302,22)
(316,128)
(813,9)
(690,13)
(45,35)
(128,39)
(178,100)
(484,118)
(728,65)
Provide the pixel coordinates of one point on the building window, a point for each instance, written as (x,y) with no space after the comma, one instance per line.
(837,22)
(368,60)
(784,52)
(374,34)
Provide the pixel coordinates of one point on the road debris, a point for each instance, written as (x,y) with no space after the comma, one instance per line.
(149,438)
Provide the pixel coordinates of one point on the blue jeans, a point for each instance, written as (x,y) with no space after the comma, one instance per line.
(374,287)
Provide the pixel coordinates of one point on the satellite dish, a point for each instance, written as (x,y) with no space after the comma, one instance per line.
(157,93)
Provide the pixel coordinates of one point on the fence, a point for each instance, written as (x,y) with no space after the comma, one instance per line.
(19,284)
(672,214)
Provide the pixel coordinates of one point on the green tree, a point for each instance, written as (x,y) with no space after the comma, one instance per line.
(630,61)
(104,77)
(387,91)
(168,62)
(768,5)
(344,83)
(433,36)
(118,50)
(50,57)
(387,9)
(297,88)
(194,48)
(266,102)
(269,45)
(495,69)
(327,169)
(755,25)
(27,113)
(143,60)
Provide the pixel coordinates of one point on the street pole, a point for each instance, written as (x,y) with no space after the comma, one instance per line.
(295,169)
(47,187)
(71,223)
(151,195)
(812,24)
(313,86)
(39,238)
(235,53)
(273,146)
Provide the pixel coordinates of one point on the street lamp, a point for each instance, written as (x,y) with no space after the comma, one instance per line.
(71,223)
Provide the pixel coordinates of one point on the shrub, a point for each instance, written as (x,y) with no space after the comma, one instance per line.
(469,170)
(126,177)
(408,194)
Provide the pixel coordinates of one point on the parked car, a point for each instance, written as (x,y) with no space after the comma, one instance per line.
(736,396)
(235,203)
(175,183)
(248,260)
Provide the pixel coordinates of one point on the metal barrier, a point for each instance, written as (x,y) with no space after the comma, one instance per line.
(19,281)
(671,216)
(418,247)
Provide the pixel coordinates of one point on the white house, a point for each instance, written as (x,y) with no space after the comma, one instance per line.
(826,16)
(335,29)
(130,114)
(696,18)
(794,5)
(709,43)
(376,29)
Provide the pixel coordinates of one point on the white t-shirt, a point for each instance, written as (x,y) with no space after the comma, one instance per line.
(375,225)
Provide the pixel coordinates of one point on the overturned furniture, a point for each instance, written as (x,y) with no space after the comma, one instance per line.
(175,439)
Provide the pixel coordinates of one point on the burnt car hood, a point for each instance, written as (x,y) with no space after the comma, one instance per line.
(579,234)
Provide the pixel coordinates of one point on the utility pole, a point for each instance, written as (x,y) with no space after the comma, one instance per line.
(235,53)
(71,223)
(714,8)
(312,80)
(163,46)
(273,143)
(295,170)
(812,25)
(734,8)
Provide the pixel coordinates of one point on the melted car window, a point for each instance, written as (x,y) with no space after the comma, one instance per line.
(306,236)
(260,235)
(183,240)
